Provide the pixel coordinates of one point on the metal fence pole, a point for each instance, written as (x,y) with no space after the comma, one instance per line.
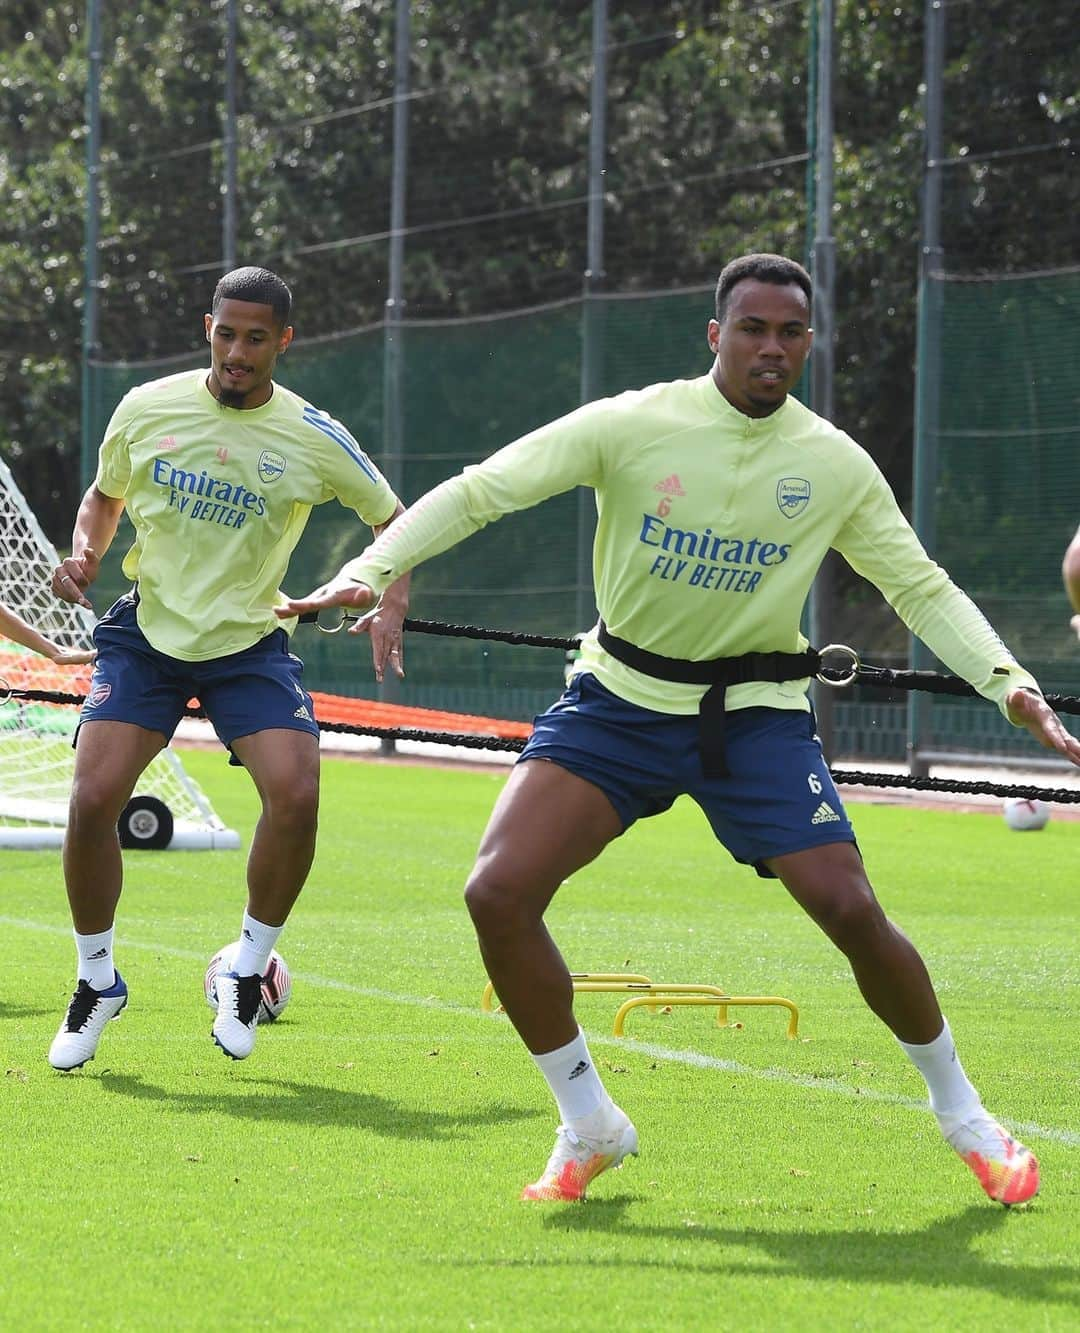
(927,367)
(393,433)
(228,187)
(593,310)
(811,129)
(91,220)
(823,358)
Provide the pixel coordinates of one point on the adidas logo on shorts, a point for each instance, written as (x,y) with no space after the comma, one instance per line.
(825,814)
(302,712)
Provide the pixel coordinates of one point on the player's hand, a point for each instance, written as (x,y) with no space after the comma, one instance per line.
(1033,712)
(384,626)
(1075,623)
(72,657)
(73,576)
(340,591)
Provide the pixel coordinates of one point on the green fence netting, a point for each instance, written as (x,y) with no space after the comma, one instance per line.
(1007,443)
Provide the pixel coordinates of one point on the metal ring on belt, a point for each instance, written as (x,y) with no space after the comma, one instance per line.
(849,675)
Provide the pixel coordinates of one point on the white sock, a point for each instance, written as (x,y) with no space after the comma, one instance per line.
(254,948)
(573,1080)
(96,958)
(950,1090)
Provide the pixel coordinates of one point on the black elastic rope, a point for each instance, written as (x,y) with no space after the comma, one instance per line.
(515,744)
(887,677)
(932,682)
(492,635)
(962,786)
(469,740)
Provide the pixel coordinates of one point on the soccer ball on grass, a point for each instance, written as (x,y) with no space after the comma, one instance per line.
(1025,815)
(276,983)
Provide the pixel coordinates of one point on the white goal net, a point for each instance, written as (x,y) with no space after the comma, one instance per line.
(36,758)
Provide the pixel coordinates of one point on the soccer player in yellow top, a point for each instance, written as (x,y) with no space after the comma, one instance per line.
(718,499)
(218,472)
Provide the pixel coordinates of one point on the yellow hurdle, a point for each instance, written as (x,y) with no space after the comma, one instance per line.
(487,1000)
(654,994)
(675,994)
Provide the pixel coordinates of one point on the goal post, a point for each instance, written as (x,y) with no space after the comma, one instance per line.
(168,808)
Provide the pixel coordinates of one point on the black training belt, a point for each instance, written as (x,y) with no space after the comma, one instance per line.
(718,673)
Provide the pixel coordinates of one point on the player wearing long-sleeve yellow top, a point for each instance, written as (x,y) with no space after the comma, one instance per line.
(718,499)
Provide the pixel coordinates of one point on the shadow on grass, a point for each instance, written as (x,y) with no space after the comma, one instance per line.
(8,1010)
(289,1102)
(940,1255)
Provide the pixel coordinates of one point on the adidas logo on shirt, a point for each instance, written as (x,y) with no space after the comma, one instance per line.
(825,814)
(670,485)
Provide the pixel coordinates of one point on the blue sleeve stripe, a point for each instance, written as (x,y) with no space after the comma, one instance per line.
(337,432)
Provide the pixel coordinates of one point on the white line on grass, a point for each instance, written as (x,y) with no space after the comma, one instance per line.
(696,1059)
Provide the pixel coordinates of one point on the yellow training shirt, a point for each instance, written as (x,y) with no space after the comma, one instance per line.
(711,528)
(219,497)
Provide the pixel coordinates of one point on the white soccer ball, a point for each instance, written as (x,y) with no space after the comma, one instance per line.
(276,983)
(1025,815)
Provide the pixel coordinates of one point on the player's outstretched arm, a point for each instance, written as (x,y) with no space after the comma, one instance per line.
(1030,710)
(73,656)
(338,591)
(13,627)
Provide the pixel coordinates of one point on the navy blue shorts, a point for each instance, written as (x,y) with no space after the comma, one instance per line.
(241,693)
(779,797)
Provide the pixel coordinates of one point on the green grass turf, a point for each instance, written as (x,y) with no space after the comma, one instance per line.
(361,1170)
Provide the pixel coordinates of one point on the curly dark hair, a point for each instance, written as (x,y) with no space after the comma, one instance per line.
(257,285)
(764,268)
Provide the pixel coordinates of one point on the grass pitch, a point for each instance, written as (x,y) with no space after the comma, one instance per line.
(361,1170)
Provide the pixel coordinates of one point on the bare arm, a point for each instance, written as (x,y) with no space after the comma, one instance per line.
(95,527)
(15,628)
